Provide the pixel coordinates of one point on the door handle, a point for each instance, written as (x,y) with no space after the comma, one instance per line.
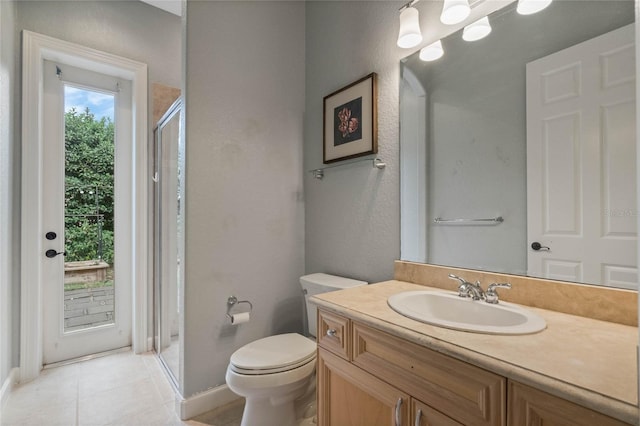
(51,253)
(398,412)
(537,246)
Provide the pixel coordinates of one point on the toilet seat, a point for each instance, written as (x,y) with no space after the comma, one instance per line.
(273,354)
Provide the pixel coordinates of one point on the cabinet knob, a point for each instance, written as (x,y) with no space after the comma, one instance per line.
(332,332)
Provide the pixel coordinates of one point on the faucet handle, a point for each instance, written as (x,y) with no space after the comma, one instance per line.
(491,296)
(463,287)
(455,277)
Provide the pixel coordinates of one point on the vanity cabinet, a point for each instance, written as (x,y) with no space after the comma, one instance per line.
(389,381)
(531,407)
(459,390)
(349,396)
(367,377)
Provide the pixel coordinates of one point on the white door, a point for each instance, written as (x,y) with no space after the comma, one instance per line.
(581,162)
(87,180)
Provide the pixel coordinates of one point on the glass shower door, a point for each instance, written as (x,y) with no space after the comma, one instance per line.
(168,219)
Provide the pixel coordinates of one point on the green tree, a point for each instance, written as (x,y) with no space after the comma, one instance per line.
(89,166)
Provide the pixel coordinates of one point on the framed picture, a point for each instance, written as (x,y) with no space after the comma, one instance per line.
(350,121)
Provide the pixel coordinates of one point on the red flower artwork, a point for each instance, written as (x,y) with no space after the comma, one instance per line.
(348,124)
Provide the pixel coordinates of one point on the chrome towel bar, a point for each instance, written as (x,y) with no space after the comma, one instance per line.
(376,162)
(488,221)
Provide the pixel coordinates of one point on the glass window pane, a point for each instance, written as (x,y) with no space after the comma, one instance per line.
(89,159)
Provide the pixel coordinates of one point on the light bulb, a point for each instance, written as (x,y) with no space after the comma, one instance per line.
(529,7)
(479,29)
(410,34)
(454,11)
(432,51)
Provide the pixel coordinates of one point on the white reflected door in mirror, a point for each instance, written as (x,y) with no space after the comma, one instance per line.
(581,154)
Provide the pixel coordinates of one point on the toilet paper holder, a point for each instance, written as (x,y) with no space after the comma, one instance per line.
(233,301)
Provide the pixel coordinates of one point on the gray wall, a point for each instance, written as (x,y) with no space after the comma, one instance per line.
(9,300)
(352,216)
(244,232)
(127,28)
(637,16)
(130,29)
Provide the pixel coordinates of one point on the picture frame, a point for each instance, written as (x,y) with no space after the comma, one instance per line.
(350,121)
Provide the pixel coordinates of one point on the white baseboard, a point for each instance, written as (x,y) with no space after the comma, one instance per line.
(205,401)
(8,385)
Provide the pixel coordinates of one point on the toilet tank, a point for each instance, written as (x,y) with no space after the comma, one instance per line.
(313,284)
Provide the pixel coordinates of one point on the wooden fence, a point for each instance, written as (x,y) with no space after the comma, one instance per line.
(85,271)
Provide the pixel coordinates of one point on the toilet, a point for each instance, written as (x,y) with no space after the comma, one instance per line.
(274,372)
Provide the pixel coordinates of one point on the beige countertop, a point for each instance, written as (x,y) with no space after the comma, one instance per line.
(590,362)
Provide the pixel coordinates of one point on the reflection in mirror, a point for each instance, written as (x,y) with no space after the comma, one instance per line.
(534,124)
(168,237)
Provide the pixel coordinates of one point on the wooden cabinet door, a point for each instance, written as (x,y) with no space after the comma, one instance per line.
(423,415)
(531,407)
(349,396)
(468,394)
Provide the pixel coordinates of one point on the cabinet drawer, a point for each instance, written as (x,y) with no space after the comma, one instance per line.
(531,407)
(467,394)
(334,333)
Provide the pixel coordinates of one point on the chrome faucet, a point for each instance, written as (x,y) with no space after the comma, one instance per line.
(475,291)
(491,296)
(468,289)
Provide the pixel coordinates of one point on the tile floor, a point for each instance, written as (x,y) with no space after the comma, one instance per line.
(120,389)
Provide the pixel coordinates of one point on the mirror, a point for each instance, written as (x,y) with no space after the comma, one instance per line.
(497,155)
(168,233)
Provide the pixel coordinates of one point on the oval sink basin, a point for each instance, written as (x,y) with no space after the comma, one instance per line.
(459,313)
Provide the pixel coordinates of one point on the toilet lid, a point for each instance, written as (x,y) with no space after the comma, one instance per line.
(274,352)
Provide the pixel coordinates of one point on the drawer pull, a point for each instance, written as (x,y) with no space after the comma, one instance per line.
(332,332)
(418,416)
(398,412)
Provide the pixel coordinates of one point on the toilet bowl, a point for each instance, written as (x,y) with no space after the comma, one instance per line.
(276,372)
(271,373)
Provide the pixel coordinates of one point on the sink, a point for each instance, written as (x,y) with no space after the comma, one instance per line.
(459,313)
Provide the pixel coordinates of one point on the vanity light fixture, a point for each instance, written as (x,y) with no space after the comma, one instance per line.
(478,30)
(409,34)
(455,11)
(529,7)
(432,52)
